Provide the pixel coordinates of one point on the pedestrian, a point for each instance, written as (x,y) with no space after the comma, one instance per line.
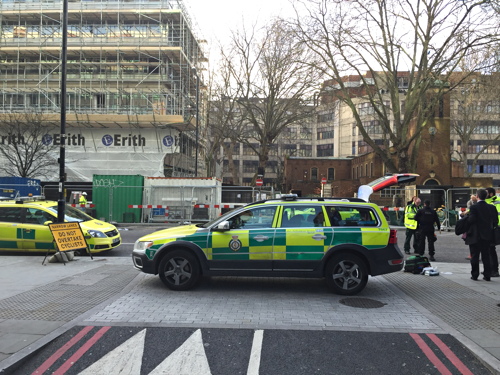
(483,218)
(426,218)
(83,201)
(471,201)
(495,201)
(411,225)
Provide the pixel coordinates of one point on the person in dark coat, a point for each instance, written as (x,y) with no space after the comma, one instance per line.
(426,218)
(483,218)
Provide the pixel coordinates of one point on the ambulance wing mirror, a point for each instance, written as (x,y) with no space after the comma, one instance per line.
(223,225)
(365,191)
(47,222)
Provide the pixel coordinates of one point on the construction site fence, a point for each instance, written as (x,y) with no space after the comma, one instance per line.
(160,204)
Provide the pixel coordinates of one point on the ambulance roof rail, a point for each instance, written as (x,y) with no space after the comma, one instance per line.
(294,197)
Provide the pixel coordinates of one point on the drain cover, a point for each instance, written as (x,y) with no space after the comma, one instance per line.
(364,303)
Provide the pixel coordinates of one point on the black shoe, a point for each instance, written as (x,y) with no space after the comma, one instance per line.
(486,279)
(407,252)
(432,259)
(473,278)
(495,274)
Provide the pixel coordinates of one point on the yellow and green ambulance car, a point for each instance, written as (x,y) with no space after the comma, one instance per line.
(24,226)
(342,240)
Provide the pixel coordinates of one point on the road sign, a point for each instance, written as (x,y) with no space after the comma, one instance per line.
(323,180)
(259,182)
(68,236)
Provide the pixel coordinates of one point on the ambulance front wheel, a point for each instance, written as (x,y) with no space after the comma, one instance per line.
(346,274)
(179,270)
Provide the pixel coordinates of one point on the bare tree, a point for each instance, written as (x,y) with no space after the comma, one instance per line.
(475,118)
(269,71)
(378,40)
(225,123)
(26,145)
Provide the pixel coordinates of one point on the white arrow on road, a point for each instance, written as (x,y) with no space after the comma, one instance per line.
(187,359)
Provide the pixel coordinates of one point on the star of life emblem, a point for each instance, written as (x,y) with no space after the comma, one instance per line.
(235,243)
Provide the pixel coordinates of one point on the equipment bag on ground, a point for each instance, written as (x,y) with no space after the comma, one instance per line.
(416,263)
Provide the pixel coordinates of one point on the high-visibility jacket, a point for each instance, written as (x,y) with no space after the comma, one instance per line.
(410,212)
(83,200)
(495,201)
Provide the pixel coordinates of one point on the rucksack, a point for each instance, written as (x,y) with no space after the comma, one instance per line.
(462,226)
(416,263)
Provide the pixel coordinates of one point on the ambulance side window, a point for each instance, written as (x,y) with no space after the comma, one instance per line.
(302,216)
(259,217)
(10,214)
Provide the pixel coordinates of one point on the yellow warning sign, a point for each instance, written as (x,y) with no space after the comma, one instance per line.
(68,236)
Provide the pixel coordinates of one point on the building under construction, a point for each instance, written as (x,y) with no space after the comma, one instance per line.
(133,79)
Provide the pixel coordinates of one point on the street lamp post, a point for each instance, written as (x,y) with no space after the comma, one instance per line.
(61,203)
(197,122)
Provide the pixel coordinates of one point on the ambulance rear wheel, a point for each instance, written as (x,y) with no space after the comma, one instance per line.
(346,274)
(179,270)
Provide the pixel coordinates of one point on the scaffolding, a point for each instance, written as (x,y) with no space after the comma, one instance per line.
(130,64)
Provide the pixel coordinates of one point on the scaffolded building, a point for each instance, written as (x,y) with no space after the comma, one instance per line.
(134,73)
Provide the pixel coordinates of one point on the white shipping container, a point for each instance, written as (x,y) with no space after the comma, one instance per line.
(180,198)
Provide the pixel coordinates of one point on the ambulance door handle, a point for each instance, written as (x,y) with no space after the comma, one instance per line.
(261,238)
(319,237)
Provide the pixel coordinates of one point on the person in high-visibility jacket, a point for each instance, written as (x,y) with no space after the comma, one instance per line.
(83,201)
(495,201)
(411,224)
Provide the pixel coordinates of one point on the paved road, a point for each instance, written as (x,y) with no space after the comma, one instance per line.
(399,324)
(90,350)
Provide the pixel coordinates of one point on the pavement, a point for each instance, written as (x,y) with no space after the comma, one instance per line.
(39,302)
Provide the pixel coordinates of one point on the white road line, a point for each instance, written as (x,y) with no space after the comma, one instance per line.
(124,360)
(187,359)
(254,363)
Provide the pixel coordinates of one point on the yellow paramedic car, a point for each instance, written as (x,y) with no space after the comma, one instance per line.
(24,226)
(343,240)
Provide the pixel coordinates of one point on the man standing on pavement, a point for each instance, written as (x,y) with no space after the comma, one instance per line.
(483,218)
(495,201)
(411,224)
(426,218)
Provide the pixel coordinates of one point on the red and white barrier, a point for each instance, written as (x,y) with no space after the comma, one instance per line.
(82,205)
(215,206)
(392,208)
(146,206)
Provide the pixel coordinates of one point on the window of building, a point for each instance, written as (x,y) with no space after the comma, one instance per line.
(249,151)
(314,174)
(325,116)
(250,166)
(325,133)
(331,174)
(485,166)
(324,150)
(305,151)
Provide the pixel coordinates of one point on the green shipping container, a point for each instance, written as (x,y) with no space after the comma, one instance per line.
(112,194)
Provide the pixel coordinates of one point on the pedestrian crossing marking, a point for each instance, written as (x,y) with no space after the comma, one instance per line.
(188,359)
(254,363)
(126,359)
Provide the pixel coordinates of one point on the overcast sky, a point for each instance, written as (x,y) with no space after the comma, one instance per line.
(216,18)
